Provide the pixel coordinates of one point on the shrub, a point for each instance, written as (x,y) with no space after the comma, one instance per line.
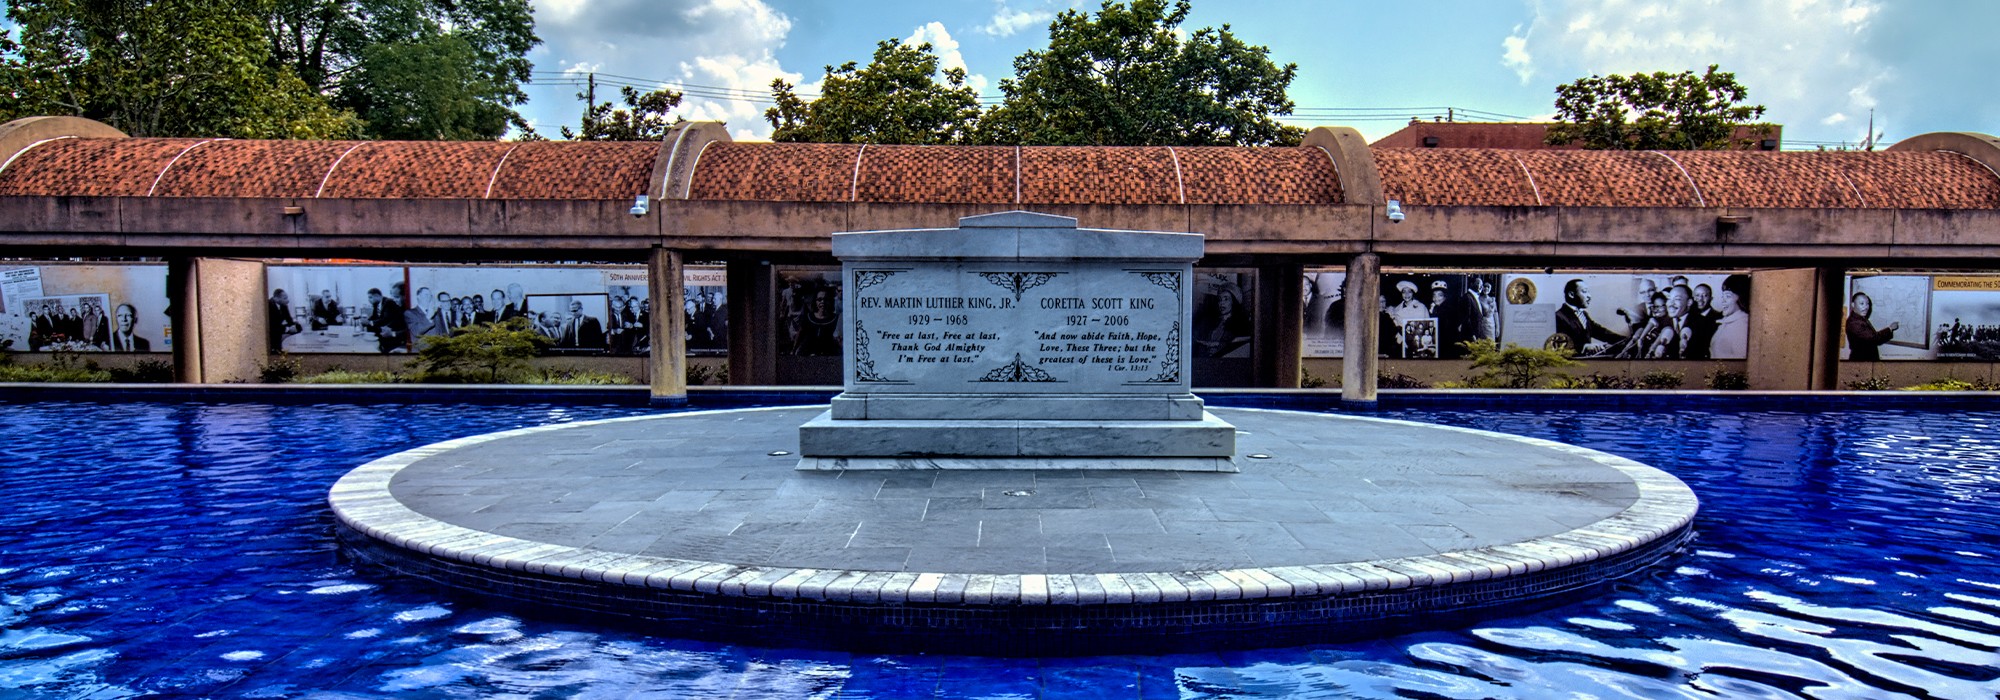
(1594,380)
(1725,380)
(1516,367)
(1954,384)
(280,368)
(1387,380)
(343,376)
(1869,384)
(1306,379)
(145,372)
(492,349)
(50,373)
(574,376)
(1661,379)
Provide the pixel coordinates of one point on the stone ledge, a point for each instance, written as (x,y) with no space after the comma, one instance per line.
(826,436)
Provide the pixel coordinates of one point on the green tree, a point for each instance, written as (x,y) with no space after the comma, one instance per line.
(497,348)
(645,117)
(411,69)
(1653,111)
(159,68)
(1516,367)
(1130,76)
(897,98)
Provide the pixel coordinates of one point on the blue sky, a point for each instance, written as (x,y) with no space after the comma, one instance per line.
(1820,65)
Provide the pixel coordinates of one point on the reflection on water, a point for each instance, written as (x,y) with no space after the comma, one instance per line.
(185,549)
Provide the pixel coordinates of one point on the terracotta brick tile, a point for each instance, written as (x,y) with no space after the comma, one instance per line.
(1453,177)
(577,170)
(1098,175)
(234,168)
(91,167)
(953,174)
(1608,179)
(775,172)
(416,170)
(1902,180)
(1258,176)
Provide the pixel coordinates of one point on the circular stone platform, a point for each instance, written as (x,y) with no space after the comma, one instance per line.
(698,524)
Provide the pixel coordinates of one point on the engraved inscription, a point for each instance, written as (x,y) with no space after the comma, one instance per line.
(1089,328)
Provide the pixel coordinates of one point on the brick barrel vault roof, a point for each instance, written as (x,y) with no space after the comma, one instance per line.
(793,172)
(1746,179)
(140,167)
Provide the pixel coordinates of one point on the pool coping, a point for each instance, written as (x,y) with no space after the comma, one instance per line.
(361,501)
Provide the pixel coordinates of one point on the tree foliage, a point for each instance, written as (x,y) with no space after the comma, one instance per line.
(645,117)
(403,69)
(159,68)
(497,348)
(1653,111)
(1516,367)
(897,98)
(1130,76)
(411,69)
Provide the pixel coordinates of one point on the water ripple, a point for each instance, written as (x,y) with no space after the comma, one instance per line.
(1837,555)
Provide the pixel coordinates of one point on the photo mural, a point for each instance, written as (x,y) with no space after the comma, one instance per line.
(1922,317)
(1611,315)
(1425,315)
(46,307)
(1632,316)
(581,310)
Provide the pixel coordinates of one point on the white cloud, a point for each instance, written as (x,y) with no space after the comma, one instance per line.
(947,52)
(1006,20)
(1515,54)
(729,44)
(1800,58)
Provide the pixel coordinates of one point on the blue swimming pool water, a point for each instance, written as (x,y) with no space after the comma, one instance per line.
(185,549)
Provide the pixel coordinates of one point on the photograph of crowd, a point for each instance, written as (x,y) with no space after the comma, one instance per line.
(1224,325)
(1966,316)
(1433,315)
(84,308)
(707,308)
(809,313)
(1635,316)
(581,310)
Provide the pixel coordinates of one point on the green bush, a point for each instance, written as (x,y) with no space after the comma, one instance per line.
(574,376)
(1954,384)
(1308,381)
(1661,379)
(1594,380)
(343,376)
(1398,380)
(144,372)
(49,373)
(1726,380)
(1516,367)
(280,368)
(488,349)
(1869,384)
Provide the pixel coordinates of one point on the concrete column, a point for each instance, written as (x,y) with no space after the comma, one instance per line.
(219,319)
(183,323)
(665,287)
(1795,328)
(753,337)
(1359,364)
(1290,312)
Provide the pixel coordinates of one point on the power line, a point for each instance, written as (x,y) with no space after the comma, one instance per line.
(713,92)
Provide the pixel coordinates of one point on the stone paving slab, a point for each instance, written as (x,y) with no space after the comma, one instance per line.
(1323,504)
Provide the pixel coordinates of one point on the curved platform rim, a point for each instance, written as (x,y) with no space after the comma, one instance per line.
(361,501)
